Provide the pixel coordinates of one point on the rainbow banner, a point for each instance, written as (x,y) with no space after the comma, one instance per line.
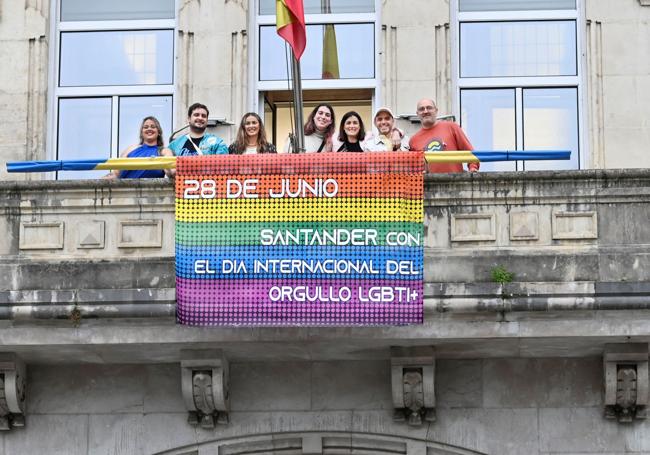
(300,240)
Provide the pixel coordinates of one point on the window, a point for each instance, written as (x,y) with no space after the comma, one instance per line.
(356,52)
(339,66)
(518,76)
(113,66)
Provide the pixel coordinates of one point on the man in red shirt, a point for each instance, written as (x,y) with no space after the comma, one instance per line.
(437,135)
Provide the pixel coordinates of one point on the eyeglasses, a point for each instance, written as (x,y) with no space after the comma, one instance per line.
(426,108)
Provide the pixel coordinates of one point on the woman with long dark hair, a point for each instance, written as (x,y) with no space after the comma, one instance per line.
(319,130)
(251,137)
(351,134)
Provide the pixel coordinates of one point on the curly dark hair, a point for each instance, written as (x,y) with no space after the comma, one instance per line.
(310,126)
(196,106)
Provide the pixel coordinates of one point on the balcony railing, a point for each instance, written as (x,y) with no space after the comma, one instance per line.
(494,243)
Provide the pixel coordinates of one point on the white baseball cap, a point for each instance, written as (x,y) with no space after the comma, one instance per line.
(383,109)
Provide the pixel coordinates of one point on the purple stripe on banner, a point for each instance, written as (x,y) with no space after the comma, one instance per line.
(257,302)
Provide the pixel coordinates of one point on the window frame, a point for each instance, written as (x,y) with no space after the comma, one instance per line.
(114,92)
(258,87)
(519,83)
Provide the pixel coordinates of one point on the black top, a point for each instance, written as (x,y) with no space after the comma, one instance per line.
(350,147)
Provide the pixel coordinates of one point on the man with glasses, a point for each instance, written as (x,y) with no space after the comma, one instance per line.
(437,135)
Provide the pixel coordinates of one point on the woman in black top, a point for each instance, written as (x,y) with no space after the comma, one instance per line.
(351,134)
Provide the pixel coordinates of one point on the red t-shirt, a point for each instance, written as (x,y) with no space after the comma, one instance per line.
(442,136)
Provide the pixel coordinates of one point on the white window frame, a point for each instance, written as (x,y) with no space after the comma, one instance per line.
(520,83)
(257,87)
(105,91)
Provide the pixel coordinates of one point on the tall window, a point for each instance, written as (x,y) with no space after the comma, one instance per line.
(340,63)
(113,66)
(518,74)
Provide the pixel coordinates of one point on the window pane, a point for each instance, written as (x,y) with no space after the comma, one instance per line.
(529,48)
(514,5)
(117,58)
(84,10)
(551,123)
(84,133)
(320,6)
(134,108)
(355,46)
(488,118)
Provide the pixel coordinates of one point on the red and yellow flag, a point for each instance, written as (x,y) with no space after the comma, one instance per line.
(290,22)
(330,53)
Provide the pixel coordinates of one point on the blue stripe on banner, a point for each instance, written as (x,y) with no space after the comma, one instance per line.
(280,262)
(81,165)
(485,157)
(34,166)
(52,166)
(540,155)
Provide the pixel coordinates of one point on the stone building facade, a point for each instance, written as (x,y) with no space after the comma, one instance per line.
(537,285)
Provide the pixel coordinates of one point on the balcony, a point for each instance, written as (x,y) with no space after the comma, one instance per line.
(516,264)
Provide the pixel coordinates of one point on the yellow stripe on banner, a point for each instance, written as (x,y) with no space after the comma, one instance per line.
(123,164)
(299,210)
(451,157)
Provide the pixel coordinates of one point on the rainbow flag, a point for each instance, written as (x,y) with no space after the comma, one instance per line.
(300,240)
(290,24)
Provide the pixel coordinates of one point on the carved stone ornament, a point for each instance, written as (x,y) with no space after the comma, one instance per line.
(626,381)
(204,379)
(413,375)
(13,381)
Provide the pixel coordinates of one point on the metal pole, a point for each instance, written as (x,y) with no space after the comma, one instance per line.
(299,143)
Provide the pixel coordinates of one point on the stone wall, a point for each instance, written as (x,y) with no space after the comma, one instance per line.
(501,406)
(212,66)
(24,39)
(618,42)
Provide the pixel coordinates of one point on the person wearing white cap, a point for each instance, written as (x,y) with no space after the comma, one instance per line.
(388,138)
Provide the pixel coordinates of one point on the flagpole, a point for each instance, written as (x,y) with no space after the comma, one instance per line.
(299,146)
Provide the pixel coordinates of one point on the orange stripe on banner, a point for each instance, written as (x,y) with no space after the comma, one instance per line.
(309,163)
(307,186)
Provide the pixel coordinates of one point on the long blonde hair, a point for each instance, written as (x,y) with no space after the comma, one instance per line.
(159,139)
(240,143)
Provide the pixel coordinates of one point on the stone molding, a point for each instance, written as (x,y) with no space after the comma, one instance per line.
(324,442)
(626,381)
(13,380)
(644,2)
(205,387)
(413,384)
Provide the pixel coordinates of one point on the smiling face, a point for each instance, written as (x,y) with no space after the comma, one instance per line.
(149,132)
(352,126)
(384,122)
(322,118)
(198,120)
(428,112)
(252,127)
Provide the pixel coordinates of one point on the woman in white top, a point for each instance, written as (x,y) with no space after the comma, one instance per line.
(251,137)
(319,130)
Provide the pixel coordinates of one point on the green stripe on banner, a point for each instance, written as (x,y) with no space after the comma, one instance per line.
(351,233)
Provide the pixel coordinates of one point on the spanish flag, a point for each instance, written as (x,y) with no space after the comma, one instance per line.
(290,22)
(330,53)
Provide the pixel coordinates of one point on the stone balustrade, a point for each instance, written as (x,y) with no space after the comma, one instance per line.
(510,256)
